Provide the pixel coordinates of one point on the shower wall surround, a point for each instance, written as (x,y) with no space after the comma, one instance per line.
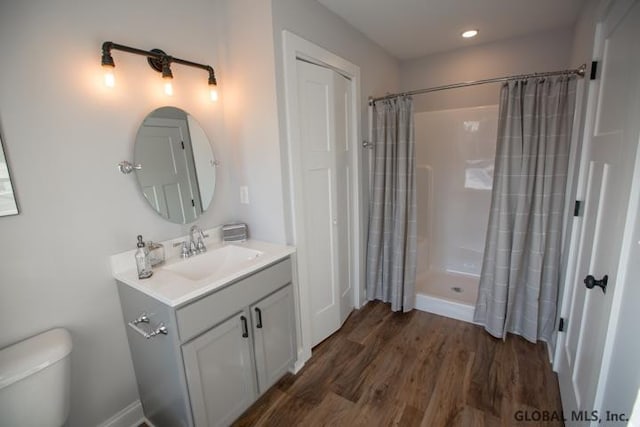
(455,152)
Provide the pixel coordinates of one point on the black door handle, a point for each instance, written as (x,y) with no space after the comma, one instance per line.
(245,329)
(259,313)
(591,281)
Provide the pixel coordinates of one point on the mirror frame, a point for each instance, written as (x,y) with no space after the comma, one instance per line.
(13,190)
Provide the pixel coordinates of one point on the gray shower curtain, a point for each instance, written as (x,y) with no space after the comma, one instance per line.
(391,245)
(521,265)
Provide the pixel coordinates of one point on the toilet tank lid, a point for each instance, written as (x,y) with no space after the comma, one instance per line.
(31,355)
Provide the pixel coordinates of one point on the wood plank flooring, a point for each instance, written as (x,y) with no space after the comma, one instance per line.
(413,369)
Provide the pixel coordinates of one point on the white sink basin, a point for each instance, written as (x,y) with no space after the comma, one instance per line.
(216,262)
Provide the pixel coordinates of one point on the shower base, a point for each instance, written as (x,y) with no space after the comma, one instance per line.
(447,294)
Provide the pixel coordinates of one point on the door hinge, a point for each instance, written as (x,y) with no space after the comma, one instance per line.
(561,325)
(594,70)
(182,143)
(193,203)
(577,208)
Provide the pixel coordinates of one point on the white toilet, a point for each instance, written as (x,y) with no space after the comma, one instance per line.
(34,381)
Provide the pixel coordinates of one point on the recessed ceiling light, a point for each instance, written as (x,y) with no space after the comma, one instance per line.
(469,33)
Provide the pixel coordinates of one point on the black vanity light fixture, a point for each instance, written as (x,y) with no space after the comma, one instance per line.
(159,61)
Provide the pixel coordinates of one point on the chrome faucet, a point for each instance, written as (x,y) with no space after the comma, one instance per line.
(196,247)
(191,246)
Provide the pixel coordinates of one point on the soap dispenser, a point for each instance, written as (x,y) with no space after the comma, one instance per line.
(143,261)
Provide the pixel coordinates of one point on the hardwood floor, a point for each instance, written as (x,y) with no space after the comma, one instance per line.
(414,369)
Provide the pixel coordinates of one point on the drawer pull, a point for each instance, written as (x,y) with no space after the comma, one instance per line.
(245,329)
(161,329)
(143,318)
(259,313)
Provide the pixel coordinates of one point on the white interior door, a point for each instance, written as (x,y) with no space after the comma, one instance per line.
(168,181)
(607,167)
(324,150)
(344,209)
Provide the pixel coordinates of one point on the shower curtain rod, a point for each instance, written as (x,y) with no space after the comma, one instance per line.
(580,72)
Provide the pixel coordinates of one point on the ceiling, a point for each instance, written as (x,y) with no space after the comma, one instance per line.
(410,29)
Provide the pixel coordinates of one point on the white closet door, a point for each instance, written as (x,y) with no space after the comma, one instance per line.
(324,150)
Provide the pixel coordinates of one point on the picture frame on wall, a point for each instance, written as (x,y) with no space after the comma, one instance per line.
(8,203)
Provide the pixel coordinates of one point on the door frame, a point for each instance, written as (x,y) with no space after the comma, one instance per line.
(605,10)
(296,48)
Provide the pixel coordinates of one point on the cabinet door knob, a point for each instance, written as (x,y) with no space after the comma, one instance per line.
(245,329)
(259,313)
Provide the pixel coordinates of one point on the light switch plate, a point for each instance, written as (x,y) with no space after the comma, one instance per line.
(244,194)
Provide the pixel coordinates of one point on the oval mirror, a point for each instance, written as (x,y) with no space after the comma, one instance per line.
(177,169)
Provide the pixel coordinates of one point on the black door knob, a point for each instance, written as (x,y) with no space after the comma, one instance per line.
(591,281)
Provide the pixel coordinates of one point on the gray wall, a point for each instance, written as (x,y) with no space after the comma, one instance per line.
(547,51)
(64,133)
(315,23)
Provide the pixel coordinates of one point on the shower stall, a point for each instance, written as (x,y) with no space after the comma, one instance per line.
(454,161)
(455,152)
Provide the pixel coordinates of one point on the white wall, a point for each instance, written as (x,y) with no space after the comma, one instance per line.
(547,51)
(251,113)
(315,23)
(64,133)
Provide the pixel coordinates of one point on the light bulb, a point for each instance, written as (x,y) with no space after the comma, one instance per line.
(469,33)
(109,77)
(213,93)
(168,87)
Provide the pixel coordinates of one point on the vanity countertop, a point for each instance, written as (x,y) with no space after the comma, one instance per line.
(174,289)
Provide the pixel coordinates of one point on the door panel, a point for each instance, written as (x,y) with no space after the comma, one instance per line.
(170,186)
(584,254)
(608,160)
(219,372)
(274,336)
(343,187)
(325,120)
(321,268)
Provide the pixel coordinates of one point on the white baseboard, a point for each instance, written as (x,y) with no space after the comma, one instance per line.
(297,367)
(131,416)
(551,348)
(443,307)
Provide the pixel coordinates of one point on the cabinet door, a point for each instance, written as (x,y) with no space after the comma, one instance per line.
(220,374)
(274,336)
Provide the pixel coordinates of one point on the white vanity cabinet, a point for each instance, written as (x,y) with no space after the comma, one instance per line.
(221,351)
